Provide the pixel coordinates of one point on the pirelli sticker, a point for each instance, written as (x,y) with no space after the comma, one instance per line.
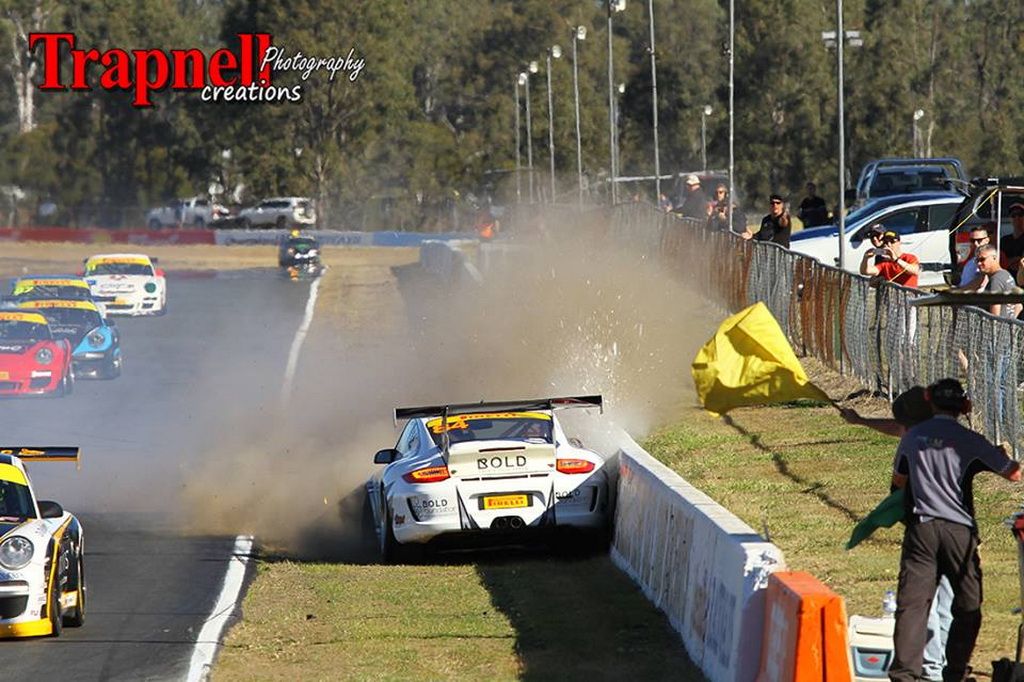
(78,305)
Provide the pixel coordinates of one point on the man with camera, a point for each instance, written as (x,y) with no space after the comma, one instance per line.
(889,263)
(935,464)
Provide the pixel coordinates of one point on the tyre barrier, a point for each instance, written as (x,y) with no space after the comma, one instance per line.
(696,561)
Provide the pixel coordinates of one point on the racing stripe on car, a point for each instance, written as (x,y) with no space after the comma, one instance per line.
(54,558)
(466,521)
(9,528)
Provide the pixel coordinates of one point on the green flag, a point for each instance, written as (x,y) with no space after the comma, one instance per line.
(885,515)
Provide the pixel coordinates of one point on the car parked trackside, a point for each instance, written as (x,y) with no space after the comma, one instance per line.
(922,220)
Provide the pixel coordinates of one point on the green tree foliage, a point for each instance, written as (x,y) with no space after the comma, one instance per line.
(428,126)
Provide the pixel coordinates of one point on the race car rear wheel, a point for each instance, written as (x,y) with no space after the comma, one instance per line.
(75,618)
(391,550)
(53,611)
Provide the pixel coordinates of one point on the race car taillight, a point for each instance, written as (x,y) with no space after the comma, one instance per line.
(427,475)
(574,466)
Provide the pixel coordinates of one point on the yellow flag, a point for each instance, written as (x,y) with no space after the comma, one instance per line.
(750,362)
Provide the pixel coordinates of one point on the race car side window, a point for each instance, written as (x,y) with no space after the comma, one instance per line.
(407,440)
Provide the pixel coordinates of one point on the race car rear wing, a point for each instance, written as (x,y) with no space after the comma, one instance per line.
(444,411)
(43,454)
(583,401)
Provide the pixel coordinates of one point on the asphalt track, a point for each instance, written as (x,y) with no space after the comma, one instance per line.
(224,341)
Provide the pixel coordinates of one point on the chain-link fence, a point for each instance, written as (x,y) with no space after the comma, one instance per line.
(870,333)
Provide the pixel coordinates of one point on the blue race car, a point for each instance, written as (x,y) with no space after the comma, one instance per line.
(96,347)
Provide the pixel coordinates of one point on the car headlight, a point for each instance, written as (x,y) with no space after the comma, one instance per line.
(150,287)
(313,252)
(96,339)
(16,552)
(44,356)
(291,251)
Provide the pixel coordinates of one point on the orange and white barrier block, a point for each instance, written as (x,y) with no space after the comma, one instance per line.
(805,637)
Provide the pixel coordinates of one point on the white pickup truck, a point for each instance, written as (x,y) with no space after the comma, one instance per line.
(197,212)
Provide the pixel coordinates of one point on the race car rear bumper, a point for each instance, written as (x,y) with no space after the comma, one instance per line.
(416,521)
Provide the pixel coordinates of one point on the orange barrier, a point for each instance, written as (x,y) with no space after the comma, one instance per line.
(805,637)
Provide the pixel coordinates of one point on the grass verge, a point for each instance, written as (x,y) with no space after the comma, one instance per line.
(526,619)
(805,477)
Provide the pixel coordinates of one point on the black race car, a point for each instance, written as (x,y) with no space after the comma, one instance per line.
(299,254)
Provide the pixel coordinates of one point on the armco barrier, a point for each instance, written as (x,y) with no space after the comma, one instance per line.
(92,235)
(697,562)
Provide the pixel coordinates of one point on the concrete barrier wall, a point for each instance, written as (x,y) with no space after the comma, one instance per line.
(697,562)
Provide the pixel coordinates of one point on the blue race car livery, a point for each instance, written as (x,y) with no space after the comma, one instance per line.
(96,346)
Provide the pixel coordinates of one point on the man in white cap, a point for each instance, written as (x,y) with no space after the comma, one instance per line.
(694,203)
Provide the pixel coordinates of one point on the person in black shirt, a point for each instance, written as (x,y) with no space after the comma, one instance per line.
(693,203)
(1012,245)
(812,209)
(776,226)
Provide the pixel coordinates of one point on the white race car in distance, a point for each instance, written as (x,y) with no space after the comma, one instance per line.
(127,283)
(492,472)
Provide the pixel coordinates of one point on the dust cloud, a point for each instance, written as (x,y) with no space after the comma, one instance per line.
(569,313)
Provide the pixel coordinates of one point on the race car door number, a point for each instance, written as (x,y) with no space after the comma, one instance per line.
(505,502)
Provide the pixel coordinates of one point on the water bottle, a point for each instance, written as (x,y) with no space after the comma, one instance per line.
(889,604)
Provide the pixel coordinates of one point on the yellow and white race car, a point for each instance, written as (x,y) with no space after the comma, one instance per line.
(42,571)
(488,472)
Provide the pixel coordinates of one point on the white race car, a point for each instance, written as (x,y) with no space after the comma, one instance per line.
(127,283)
(486,471)
(42,574)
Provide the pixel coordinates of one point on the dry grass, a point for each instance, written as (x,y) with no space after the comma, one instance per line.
(806,477)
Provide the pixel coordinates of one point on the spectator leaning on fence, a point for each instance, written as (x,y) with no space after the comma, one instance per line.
(890,264)
(1013,244)
(973,279)
(999,281)
(693,203)
(776,227)
(718,219)
(935,464)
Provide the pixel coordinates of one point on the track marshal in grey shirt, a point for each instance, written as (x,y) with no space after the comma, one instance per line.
(935,463)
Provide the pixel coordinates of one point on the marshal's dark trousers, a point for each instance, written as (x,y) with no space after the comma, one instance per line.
(931,549)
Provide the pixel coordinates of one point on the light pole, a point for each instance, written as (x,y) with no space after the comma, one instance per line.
(620,89)
(654,104)
(918,115)
(704,113)
(613,6)
(732,64)
(520,80)
(579,33)
(839,38)
(533,68)
(553,52)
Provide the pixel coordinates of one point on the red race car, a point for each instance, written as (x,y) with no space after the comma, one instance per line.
(32,361)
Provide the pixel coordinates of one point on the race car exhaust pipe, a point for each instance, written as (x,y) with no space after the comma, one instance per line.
(515,522)
(500,523)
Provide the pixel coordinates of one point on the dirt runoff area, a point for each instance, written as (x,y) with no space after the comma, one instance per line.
(22,258)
